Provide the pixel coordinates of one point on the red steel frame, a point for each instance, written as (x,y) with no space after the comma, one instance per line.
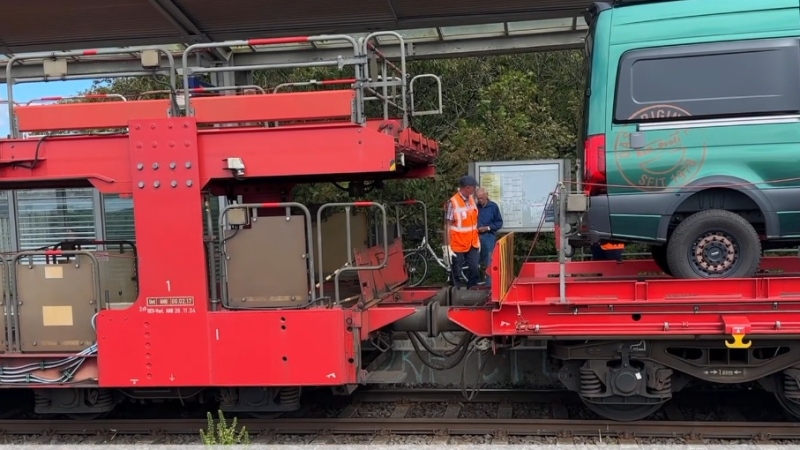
(606,299)
(327,148)
(170,336)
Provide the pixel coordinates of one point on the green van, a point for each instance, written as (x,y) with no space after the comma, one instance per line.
(692,131)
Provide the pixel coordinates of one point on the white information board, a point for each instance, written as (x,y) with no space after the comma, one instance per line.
(522,189)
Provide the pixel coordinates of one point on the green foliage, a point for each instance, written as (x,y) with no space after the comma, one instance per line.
(510,125)
(222,434)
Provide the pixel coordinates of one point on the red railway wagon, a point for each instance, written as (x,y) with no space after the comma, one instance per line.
(181,322)
(274,318)
(625,336)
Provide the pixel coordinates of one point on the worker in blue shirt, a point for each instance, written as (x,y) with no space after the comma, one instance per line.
(490,221)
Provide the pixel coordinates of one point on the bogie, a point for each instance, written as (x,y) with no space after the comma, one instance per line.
(93,403)
(79,403)
(630,380)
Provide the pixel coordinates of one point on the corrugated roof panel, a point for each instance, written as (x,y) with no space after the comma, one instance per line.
(51,25)
(426,9)
(72,23)
(254,18)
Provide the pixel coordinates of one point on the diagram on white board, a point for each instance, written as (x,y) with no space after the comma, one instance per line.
(522,192)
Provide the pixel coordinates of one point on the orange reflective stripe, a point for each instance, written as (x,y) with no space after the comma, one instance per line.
(610,246)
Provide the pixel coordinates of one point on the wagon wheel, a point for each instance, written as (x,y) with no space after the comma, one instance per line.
(622,412)
(791,406)
(265,415)
(88,416)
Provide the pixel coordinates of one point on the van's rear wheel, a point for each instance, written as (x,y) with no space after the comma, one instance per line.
(714,244)
(659,254)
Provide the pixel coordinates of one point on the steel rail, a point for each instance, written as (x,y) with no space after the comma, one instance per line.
(555,423)
(426,395)
(421,426)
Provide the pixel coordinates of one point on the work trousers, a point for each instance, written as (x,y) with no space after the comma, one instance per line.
(488,240)
(471,257)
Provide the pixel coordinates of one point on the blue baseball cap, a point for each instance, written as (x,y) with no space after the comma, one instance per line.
(467,180)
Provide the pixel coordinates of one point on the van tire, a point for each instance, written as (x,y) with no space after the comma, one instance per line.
(659,255)
(718,233)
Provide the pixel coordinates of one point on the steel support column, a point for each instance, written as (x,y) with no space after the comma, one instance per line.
(186,26)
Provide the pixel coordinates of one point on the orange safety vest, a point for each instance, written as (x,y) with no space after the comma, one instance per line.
(464,230)
(611,246)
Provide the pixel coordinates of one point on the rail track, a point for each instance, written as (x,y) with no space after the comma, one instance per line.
(377,416)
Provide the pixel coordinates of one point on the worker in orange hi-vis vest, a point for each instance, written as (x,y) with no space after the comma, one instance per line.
(610,251)
(461,241)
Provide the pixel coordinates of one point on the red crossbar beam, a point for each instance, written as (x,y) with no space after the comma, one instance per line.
(280,40)
(630,320)
(286,106)
(603,307)
(594,283)
(634,268)
(274,107)
(81,116)
(266,152)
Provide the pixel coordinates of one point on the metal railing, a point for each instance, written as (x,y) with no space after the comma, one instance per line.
(372,73)
(10,80)
(354,267)
(581,256)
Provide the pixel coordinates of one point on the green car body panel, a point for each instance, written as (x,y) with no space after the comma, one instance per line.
(698,106)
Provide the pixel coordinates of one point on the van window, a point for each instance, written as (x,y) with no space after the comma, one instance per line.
(724,79)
